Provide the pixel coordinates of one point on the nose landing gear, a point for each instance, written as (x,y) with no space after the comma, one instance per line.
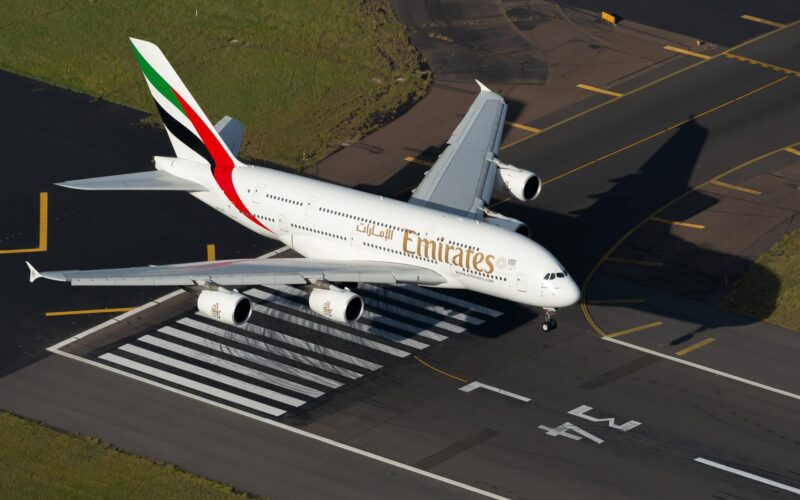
(549,322)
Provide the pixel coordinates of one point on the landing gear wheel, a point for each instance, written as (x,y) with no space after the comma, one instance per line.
(546,326)
(549,323)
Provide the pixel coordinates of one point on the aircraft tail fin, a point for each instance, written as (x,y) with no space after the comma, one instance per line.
(190,132)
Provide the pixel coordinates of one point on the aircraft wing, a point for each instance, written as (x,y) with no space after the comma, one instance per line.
(461,180)
(248,272)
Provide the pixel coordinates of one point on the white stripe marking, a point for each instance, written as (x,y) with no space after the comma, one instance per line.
(312,325)
(247,341)
(704,368)
(224,363)
(177,379)
(748,475)
(211,375)
(452,300)
(389,295)
(478,385)
(300,305)
(426,319)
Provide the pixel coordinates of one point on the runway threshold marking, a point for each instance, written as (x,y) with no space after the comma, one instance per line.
(615,301)
(763,64)
(677,223)
(42,247)
(646,263)
(599,90)
(523,127)
(695,346)
(735,187)
(755,19)
(636,329)
(687,52)
(105,310)
(411,159)
(211,252)
(442,372)
(650,84)
(792,150)
(748,475)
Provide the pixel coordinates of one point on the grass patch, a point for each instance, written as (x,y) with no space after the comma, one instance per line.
(38,462)
(302,76)
(770,289)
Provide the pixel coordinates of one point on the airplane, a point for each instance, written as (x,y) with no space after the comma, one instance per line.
(444,236)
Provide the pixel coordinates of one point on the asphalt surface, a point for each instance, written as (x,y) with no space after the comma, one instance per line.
(627,159)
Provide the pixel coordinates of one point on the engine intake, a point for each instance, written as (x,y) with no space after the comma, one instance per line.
(225,306)
(341,306)
(521,184)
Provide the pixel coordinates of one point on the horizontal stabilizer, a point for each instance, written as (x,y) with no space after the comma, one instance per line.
(232,131)
(155,180)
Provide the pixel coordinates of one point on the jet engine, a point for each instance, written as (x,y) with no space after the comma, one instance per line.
(521,184)
(225,306)
(341,306)
(509,223)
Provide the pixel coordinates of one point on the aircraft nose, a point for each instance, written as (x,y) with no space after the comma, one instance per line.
(570,293)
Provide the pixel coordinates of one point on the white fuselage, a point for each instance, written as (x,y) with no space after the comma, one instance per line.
(322,220)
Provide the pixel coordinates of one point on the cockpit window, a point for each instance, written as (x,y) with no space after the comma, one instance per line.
(560,275)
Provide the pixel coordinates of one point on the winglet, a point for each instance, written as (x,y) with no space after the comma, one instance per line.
(34,273)
(483,87)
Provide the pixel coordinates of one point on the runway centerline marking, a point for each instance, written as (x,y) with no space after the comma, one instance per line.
(411,159)
(635,329)
(42,247)
(677,223)
(755,19)
(687,52)
(523,127)
(599,90)
(735,187)
(695,346)
(646,263)
(442,372)
(88,311)
(748,475)
(211,252)
(479,385)
(763,64)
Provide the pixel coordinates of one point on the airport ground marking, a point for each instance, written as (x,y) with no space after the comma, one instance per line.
(479,385)
(635,329)
(411,159)
(523,127)
(618,243)
(703,368)
(695,346)
(43,216)
(571,431)
(755,19)
(211,252)
(650,84)
(687,52)
(583,412)
(677,223)
(76,312)
(762,64)
(437,370)
(735,187)
(748,475)
(792,150)
(603,302)
(599,90)
(646,263)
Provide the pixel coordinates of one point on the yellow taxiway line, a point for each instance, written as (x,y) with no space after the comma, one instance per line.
(42,230)
(687,52)
(211,252)
(677,223)
(647,263)
(762,21)
(636,329)
(697,345)
(763,64)
(523,127)
(735,187)
(449,375)
(88,311)
(599,90)
(792,150)
(421,162)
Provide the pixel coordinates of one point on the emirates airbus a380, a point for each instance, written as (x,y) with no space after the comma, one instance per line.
(444,236)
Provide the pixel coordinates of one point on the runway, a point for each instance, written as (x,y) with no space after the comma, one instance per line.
(439,383)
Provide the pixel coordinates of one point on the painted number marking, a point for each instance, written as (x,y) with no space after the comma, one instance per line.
(583,410)
(571,431)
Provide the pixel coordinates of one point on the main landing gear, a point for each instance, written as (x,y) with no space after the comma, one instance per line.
(549,322)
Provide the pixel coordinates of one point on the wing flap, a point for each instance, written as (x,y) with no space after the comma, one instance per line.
(154,180)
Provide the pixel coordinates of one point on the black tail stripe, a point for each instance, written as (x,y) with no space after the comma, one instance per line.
(185,135)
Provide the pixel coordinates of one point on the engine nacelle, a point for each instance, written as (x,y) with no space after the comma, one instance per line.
(224,306)
(341,306)
(508,223)
(521,184)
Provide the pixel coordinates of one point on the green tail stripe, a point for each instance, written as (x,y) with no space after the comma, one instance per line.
(159,83)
